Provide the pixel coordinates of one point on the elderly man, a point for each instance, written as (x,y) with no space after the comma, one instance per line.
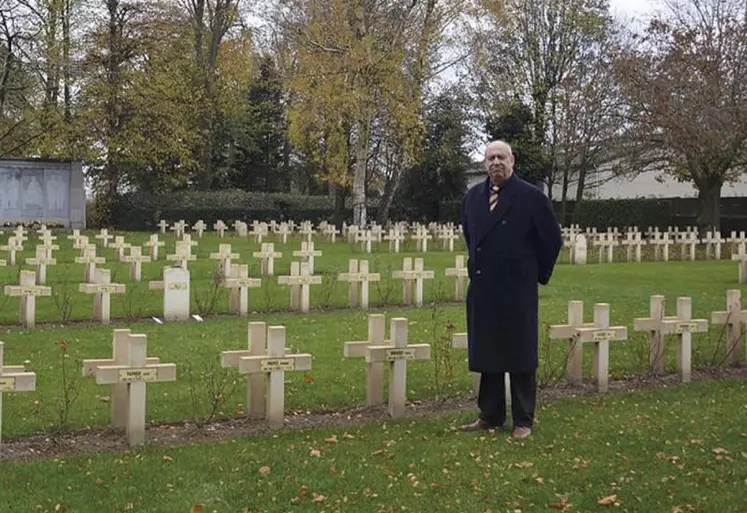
(513,240)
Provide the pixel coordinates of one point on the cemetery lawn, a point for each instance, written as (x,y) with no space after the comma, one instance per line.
(681,449)
(65,401)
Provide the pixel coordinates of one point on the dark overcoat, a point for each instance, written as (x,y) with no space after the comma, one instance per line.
(510,251)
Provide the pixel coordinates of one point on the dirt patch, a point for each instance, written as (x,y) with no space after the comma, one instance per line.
(107,440)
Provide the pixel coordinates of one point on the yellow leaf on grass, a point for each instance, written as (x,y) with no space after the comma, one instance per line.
(196,508)
(168,458)
(331,440)
(607,501)
(318,497)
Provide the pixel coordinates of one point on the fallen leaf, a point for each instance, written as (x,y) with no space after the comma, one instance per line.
(196,508)
(720,450)
(318,497)
(607,501)
(168,458)
(331,440)
(315,453)
(61,508)
(264,470)
(348,436)
(308,378)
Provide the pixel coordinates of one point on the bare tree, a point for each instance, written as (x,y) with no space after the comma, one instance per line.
(685,82)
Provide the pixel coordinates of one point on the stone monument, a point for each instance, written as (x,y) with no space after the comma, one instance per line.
(45,191)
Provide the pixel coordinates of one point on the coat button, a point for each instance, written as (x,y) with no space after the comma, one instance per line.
(478,272)
(478,249)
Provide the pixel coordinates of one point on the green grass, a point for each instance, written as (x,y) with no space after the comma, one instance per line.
(669,450)
(335,382)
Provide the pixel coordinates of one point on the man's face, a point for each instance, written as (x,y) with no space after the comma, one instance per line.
(499,162)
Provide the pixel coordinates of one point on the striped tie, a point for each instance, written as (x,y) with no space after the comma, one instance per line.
(493,197)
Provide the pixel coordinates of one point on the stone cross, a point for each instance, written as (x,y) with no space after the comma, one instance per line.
(657,328)
(104,237)
(20,234)
(41,261)
(447,237)
(421,237)
(358,272)
(713,240)
(741,259)
(307,232)
(395,238)
(689,242)
(239,284)
(299,281)
(220,227)
(182,255)
(259,232)
(606,243)
(120,246)
(273,367)
(81,244)
(13,246)
(366,239)
(256,387)
(574,355)
(241,228)
(307,254)
(28,291)
(284,231)
(102,288)
(374,370)
(331,232)
(47,240)
(163,225)
(176,297)
(683,325)
(413,277)
(633,241)
(199,227)
(224,256)
(460,272)
(734,318)
(601,335)
(13,378)
(267,258)
(153,243)
(90,260)
(74,236)
(179,228)
(135,372)
(397,354)
(735,240)
(120,356)
(661,244)
(136,259)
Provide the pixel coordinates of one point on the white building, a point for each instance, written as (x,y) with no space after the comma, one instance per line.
(602,184)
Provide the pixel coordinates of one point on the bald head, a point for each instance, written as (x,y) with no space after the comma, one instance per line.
(499,161)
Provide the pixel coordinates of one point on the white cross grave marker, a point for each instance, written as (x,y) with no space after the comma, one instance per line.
(574,358)
(135,373)
(120,355)
(267,258)
(413,277)
(41,261)
(734,318)
(273,366)
(13,379)
(299,281)
(239,284)
(224,257)
(601,335)
(256,386)
(28,291)
(397,354)
(683,325)
(136,259)
(460,272)
(307,254)
(102,288)
(358,272)
(153,243)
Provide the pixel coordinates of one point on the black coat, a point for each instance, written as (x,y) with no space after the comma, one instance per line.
(511,250)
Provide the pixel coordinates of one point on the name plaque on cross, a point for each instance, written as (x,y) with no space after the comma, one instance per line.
(137,375)
(277,364)
(603,335)
(686,327)
(7,384)
(400,354)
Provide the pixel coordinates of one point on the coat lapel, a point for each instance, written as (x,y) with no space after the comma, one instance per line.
(491,219)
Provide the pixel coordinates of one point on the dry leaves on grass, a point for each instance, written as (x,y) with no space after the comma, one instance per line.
(562,505)
(610,500)
(196,508)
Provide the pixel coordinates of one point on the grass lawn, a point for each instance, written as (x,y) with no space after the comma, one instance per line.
(669,450)
(64,400)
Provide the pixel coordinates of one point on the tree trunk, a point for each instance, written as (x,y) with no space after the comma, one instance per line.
(579,192)
(564,195)
(387,197)
(66,45)
(709,195)
(359,178)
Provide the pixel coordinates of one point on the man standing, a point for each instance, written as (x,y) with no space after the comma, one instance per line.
(513,241)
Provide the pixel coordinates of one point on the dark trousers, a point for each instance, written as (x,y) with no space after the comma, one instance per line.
(491,398)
